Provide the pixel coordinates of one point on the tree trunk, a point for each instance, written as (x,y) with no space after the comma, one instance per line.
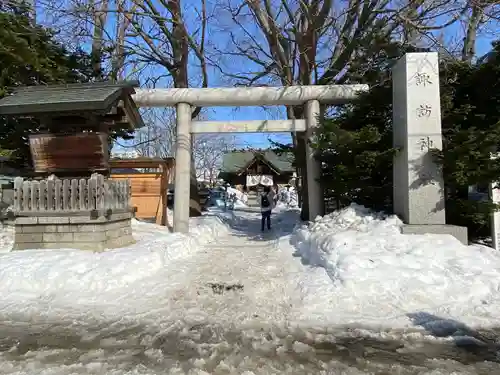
(180,51)
(97,39)
(194,197)
(469,47)
(118,60)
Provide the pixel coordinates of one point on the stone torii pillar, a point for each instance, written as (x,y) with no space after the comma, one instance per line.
(313,167)
(418,188)
(182,168)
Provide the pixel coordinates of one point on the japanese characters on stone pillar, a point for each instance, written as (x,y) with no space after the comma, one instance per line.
(418,181)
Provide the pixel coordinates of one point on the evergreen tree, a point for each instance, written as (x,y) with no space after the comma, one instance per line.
(470,99)
(355,144)
(31,56)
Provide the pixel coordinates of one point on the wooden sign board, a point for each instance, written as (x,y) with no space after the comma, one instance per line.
(52,153)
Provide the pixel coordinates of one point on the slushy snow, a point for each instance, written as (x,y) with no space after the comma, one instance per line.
(155,305)
(359,269)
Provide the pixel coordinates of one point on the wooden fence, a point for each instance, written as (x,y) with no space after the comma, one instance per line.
(71,195)
(148,193)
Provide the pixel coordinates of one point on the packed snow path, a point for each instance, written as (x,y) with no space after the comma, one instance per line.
(243,276)
(243,304)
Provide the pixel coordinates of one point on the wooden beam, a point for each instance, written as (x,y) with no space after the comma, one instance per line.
(141,163)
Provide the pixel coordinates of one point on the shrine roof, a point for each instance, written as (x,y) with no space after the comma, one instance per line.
(236,161)
(96,97)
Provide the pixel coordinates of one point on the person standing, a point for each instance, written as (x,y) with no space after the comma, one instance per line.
(266,207)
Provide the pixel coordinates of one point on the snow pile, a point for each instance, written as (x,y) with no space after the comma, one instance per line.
(239,194)
(287,197)
(291,204)
(235,199)
(379,273)
(241,198)
(25,274)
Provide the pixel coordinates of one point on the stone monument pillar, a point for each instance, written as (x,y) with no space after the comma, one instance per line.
(418,181)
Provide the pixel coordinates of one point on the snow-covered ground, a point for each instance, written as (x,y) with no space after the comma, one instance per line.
(241,198)
(237,199)
(381,276)
(288,198)
(6,238)
(69,276)
(347,294)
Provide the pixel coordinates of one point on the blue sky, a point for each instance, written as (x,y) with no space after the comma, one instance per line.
(220,40)
(253,113)
(260,140)
(257,140)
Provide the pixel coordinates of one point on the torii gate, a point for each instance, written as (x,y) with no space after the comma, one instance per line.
(418,183)
(185,99)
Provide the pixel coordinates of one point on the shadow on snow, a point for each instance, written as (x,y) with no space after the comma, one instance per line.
(283,223)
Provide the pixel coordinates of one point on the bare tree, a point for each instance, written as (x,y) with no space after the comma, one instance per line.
(480,14)
(149,40)
(122,25)
(208,151)
(304,42)
(167,43)
(157,139)
(100,14)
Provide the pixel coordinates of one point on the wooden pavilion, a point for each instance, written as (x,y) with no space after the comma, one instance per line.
(74,122)
(72,203)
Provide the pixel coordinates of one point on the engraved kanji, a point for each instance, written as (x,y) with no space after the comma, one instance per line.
(422,79)
(424,110)
(425,143)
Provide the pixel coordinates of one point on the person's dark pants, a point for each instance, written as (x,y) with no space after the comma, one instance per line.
(266,216)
